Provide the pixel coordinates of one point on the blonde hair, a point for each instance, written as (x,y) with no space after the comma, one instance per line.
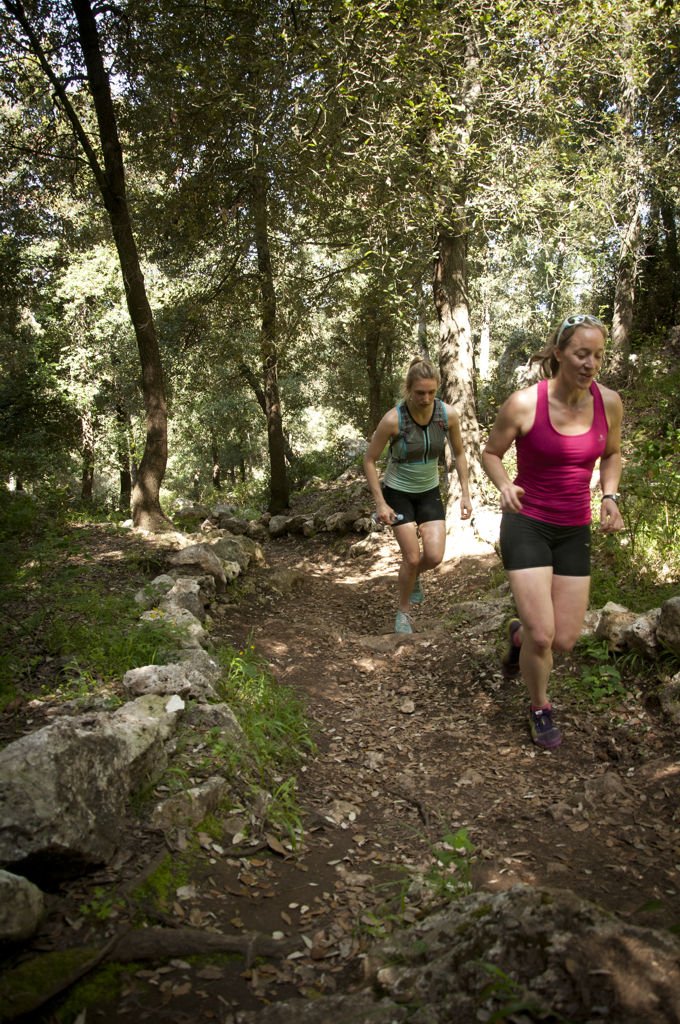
(560,338)
(420,369)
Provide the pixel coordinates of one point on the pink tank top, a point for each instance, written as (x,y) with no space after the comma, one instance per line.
(555,469)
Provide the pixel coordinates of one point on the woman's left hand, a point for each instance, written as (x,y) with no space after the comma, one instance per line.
(465,508)
(611,519)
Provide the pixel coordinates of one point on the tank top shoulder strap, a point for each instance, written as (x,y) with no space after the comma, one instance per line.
(440,414)
(599,412)
(542,415)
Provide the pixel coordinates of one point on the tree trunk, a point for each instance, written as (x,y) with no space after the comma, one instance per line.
(456,359)
(87,475)
(123,459)
(278,484)
(146,508)
(216,470)
(254,383)
(624,296)
(484,361)
(372,349)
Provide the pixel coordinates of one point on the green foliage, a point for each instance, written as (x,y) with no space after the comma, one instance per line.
(39,974)
(158,891)
(269,713)
(276,731)
(600,681)
(101,905)
(450,875)
(65,630)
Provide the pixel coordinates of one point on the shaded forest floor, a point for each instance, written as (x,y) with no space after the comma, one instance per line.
(417,739)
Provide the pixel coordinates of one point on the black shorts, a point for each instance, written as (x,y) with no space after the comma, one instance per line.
(423,507)
(529,544)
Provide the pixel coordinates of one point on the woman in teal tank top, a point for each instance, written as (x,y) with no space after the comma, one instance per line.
(409,499)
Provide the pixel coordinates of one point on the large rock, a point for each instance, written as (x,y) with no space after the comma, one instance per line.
(668,632)
(168,679)
(22,906)
(192,805)
(63,789)
(641,634)
(527,954)
(199,556)
(539,948)
(183,619)
(615,621)
(669,695)
(185,593)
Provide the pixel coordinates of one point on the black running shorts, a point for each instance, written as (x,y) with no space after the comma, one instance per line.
(423,507)
(529,544)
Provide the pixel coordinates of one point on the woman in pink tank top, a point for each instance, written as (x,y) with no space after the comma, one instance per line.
(560,427)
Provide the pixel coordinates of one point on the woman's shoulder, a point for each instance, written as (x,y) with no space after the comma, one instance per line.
(524,399)
(611,400)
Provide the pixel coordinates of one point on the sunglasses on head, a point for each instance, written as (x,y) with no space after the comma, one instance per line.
(574,321)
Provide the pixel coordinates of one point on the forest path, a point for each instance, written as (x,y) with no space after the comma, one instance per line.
(418,738)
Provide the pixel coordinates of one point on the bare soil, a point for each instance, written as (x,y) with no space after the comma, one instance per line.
(418,737)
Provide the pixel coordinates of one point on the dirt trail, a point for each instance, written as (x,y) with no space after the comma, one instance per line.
(418,737)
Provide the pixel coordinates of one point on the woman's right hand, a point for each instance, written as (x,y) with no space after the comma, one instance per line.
(385,514)
(511,498)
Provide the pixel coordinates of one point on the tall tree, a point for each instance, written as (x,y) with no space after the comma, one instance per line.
(109,174)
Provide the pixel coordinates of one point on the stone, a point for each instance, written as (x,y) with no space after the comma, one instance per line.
(185,593)
(22,907)
(233,549)
(182,618)
(181,679)
(641,634)
(204,717)
(154,591)
(64,788)
(201,556)
(191,806)
(614,621)
(563,955)
(669,696)
(668,631)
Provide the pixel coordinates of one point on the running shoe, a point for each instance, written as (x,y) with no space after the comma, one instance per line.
(403,623)
(544,732)
(510,661)
(417,596)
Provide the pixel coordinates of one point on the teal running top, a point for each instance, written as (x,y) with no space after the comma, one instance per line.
(414,452)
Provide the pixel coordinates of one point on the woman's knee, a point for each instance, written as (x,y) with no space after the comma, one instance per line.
(542,639)
(411,559)
(565,640)
(431,559)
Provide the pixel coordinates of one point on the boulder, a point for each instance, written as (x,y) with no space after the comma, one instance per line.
(543,949)
(199,556)
(153,592)
(185,593)
(234,549)
(615,620)
(232,523)
(668,631)
(342,522)
(641,634)
(22,906)
(204,717)
(183,619)
(278,526)
(181,679)
(669,696)
(192,805)
(63,788)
